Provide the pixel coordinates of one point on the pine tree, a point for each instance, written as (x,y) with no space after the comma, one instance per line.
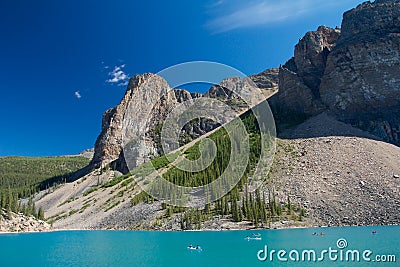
(226,206)
(264,210)
(23,209)
(34,213)
(9,214)
(182,222)
(235,211)
(15,205)
(1,200)
(244,208)
(289,205)
(9,200)
(240,215)
(41,214)
(30,207)
(207,208)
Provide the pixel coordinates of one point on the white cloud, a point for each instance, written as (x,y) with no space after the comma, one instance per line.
(260,12)
(78,94)
(103,64)
(118,76)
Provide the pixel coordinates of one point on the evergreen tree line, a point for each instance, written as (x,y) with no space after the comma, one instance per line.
(9,202)
(224,145)
(24,175)
(192,218)
(254,207)
(238,203)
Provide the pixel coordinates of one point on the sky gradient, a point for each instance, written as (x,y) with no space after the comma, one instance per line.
(63,63)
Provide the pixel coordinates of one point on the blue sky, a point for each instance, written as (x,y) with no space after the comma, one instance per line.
(63,63)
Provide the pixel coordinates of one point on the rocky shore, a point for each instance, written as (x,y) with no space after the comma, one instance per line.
(13,222)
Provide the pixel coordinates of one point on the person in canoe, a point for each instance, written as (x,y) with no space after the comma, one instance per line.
(191,247)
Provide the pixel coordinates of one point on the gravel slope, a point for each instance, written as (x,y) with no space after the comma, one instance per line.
(339,174)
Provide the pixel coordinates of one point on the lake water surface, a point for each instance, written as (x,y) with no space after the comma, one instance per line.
(219,248)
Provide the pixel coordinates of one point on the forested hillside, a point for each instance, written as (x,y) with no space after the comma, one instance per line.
(21,177)
(238,204)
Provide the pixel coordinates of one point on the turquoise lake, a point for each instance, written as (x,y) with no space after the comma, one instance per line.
(219,248)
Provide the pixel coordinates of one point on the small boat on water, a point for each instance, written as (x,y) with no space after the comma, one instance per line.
(248,238)
(320,234)
(256,235)
(198,248)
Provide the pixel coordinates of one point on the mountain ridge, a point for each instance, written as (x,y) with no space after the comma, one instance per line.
(340,92)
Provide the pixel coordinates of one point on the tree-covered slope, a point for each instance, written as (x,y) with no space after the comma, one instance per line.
(23,175)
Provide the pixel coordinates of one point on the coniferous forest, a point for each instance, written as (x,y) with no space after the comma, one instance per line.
(238,204)
(21,178)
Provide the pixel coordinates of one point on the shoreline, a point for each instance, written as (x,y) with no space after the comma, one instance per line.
(202,230)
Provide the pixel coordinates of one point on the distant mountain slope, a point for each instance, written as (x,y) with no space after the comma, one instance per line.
(24,175)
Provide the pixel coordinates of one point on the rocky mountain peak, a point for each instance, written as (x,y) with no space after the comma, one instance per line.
(143,91)
(310,55)
(370,21)
(352,72)
(146,103)
(300,77)
(386,1)
(362,74)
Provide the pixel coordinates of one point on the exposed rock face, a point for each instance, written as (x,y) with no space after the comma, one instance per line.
(352,72)
(361,84)
(146,103)
(241,93)
(266,81)
(370,21)
(87,153)
(108,145)
(362,73)
(300,77)
(311,53)
(145,106)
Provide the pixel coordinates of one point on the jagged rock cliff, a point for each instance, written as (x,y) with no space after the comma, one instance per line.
(108,145)
(266,81)
(352,72)
(300,77)
(362,72)
(146,104)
